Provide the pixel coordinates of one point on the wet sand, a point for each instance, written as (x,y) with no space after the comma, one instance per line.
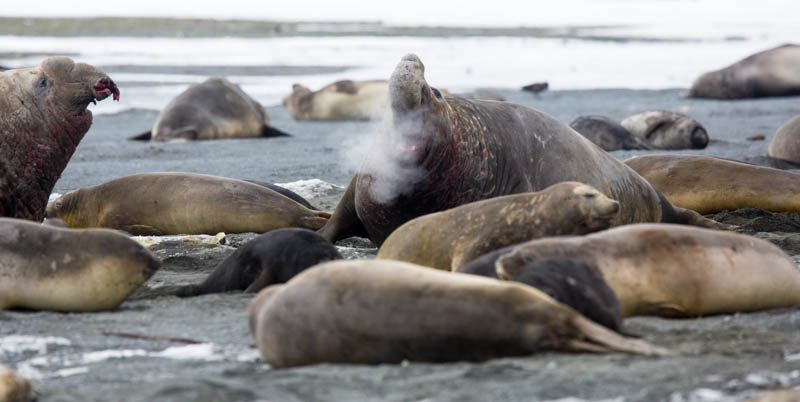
(719,358)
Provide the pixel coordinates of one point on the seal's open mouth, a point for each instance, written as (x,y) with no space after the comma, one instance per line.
(103,88)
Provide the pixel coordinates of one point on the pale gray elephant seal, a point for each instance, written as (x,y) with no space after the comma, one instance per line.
(47,268)
(675,270)
(381,311)
(182,203)
(440,152)
(339,101)
(773,72)
(43,117)
(449,239)
(708,185)
(213,109)
(14,387)
(785,143)
(607,133)
(667,130)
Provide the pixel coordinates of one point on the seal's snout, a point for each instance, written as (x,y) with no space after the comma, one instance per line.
(699,138)
(105,87)
(406,84)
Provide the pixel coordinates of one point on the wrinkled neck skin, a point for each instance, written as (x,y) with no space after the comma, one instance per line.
(38,140)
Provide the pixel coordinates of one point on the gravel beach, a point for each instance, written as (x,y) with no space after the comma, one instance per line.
(98,356)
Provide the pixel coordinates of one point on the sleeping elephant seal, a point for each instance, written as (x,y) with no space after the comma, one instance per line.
(441,152)
(773,72)
(213,109)
(43,117)
(273,257)
(182,203)
(785,144)
(47,268)
(342,100)
(707,185)
(448,239)
(607,133)
(667,130)
(675,270)
(380,311)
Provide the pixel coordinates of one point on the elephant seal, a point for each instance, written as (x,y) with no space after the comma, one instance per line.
(47,268)
(342,100)
(773,72)
(607,133)
(213,109)
(273,257)
(707,185)
(674,270)
(379,311)
(785,144)
(14,387)
(448,239)
(43,117)
(284,192)
(667,130)
(182,203)
(440,152)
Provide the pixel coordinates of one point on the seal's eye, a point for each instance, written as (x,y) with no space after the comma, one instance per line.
(437,93)
(42,83)
(589,195)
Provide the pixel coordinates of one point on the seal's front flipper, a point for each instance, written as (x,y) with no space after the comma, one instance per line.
(344,222)
(141,230)
(269,131)
(145,136)
(689,217)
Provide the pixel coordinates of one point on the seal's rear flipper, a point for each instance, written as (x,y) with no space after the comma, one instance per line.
(600,339)
(269,131)
(145,136)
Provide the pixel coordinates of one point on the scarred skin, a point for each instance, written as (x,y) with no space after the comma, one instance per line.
(785,143)
(43,117)
(441,152)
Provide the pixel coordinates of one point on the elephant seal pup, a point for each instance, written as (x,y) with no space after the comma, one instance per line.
(15,388)
(441,152)
(674,270)
(773,72)
(607,133)
(273,257)
(182,203)
(667,130)
(43,117)
(373,312)
(447,240)
(342,100)
(47,268)
(707,185)
(213,109)
(785,144)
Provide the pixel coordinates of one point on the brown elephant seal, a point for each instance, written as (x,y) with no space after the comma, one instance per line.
(773,72)
(43,117)
(14,387)
(667,130)
(373,312)
(785,143)
(273,257)
(675,270)
(47,268)
(213,109)
(448,239)
(607,133)
(707,185)
(182,203)
(441,152)
(342,100)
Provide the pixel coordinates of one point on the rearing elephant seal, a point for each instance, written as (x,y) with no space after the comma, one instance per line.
(674,270)
(447,240)
(43,117)
(707,185)
(182,203)
(785,143)
(47,268)
(213,109)
(441,152)
(667,130)
(342,100)
(773,72)
(381,311)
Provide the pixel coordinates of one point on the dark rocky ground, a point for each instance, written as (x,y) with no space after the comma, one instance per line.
(198,349)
